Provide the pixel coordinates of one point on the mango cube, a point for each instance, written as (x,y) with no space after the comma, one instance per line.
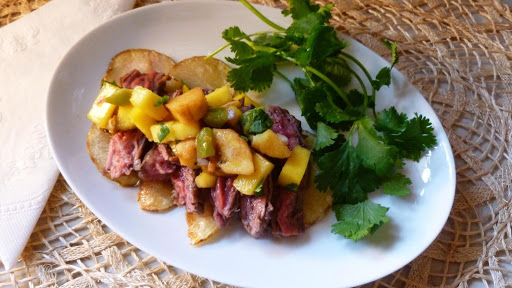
(295,167)
(188,107)
(142,121)
(219,97)
(271,145)
(177,130)
(101,111)
(205,180)
(145,100)
(247,183)
(124,120)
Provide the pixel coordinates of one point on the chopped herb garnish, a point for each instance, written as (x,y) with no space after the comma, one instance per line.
(292,187)
(350,168)
(161,101)
(258,191)
(111,83)
(164,131)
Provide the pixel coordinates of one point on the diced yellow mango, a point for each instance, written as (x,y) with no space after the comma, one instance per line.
(124,120)
(102,111)
(205,180)
(247,183)
(295,167)
(142,121)
(219,97)
(177,130)
(145,100)
(188,107)
(185,88)
(271,145)
(236,115)
(186,152)
(247,100)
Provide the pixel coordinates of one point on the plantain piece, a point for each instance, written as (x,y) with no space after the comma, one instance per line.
(316,204)
(198,72)
(97,146)
(156,196)
(143,60)
(201,226)
(235,156)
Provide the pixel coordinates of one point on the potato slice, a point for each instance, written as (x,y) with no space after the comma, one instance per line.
(235,156)
(155,195)
(201,226)
(97,146)
(316,204)
(143,60)
(198,72)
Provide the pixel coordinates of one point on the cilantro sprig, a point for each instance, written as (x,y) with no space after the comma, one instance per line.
(358,150)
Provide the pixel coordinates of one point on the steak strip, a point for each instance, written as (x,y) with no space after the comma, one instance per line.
(287,125)
(154,81)
(225,199)
(187,193)
(158,164)
(256,211)
(124,153)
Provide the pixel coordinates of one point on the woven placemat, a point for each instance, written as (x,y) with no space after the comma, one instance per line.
(457,53)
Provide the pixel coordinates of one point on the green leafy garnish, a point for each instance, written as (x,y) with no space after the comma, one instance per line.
(358,220)
(357,150)
(255,121)
(161,101)
(258,191)
(292,187)
(111,83)
(164,131)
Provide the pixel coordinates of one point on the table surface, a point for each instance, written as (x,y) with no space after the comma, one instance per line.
(457,53)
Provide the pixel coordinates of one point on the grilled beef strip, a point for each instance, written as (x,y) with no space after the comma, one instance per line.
(158,163)
(225,200)
(155,81)
(256,211)
(287,125)
(183,180)
(125,151)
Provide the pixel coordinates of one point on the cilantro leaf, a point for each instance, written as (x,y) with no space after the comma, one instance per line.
(378,155)
(255,121)
(390,121)
(322,42)
(358,220)
(254,73)
(307,97)
(336,69)
(325,136)
(300,8)
(306,25)
(397,185)
(164,131)
(111,83)
(234,33)
(161,101)
(383,78)
(393,49)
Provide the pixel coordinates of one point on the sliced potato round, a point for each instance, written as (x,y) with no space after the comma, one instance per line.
(156,195)
(198,72)
(201,226)
(143,60)
(97,146)
(316,204)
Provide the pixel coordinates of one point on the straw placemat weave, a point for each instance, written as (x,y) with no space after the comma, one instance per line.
(457,53)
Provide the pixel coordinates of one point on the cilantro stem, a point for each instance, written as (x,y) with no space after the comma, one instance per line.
(284,77)
(332,84)
(217,51)
(363,87)
(261,16)
(353,59)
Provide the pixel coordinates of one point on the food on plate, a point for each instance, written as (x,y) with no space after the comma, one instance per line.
(185,138)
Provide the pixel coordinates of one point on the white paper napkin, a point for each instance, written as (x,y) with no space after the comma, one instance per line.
(30,49)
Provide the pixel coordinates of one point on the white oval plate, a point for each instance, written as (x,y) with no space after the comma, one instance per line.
(315,259)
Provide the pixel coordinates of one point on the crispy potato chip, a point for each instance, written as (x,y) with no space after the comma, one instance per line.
(143,60)
(316,204)
(97,146)
(198,72)
(201,226)
(156,195)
